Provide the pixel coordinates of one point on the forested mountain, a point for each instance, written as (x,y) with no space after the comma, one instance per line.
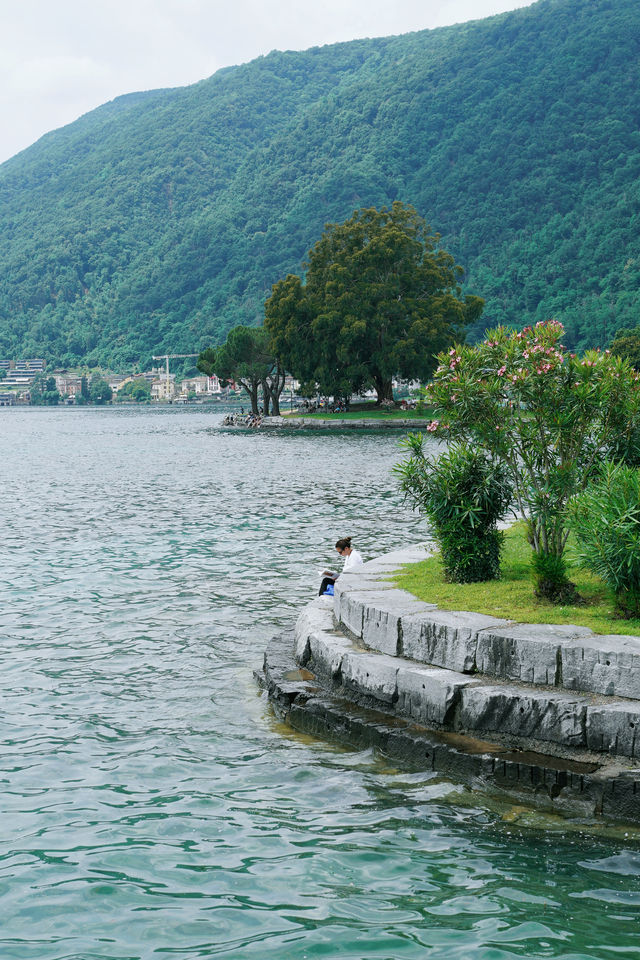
(158,221)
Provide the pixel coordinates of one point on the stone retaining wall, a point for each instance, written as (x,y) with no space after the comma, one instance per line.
(308,423)
(561,693)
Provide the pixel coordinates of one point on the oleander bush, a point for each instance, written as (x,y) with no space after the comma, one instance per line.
(605,518)
(463,493)
(548,416)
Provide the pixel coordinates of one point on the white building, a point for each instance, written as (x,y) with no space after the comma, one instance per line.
(201,386)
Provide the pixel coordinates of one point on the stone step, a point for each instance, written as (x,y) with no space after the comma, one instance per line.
(393,622)
(590,787)
(442,698)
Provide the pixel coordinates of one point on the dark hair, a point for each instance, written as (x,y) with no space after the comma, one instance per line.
(343,544)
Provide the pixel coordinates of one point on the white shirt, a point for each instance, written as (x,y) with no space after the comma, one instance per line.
(352,561)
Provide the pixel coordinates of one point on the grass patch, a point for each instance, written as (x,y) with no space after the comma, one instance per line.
(368,412)
(512,597)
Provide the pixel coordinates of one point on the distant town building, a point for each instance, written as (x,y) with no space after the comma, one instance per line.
(66,385)
(116,381)
(201,386)
(21,373)
(164,389)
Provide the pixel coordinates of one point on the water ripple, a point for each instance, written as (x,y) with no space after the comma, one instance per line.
(152,806)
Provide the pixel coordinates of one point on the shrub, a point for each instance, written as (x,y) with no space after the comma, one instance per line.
(605,518)
(548,416)
(549,573)
(463,493)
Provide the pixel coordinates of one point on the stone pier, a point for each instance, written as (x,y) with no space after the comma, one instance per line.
(550,714)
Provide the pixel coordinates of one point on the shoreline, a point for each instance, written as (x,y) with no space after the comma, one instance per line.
(545,714)
(303,423)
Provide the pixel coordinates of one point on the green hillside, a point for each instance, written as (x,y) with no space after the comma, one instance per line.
(159,221)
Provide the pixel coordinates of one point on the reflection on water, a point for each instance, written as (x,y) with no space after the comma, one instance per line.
(152,806)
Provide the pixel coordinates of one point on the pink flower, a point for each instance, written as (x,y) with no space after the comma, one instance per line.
(433,426)
(501,371)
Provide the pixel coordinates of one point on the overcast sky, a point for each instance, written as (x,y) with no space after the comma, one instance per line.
(61,58)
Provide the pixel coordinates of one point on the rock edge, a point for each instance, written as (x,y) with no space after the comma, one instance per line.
(552,712)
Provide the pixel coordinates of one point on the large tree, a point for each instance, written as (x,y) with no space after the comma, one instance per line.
(246,358)
(379,300)
(626,343)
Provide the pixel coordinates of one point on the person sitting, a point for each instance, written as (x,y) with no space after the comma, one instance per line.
(352,560)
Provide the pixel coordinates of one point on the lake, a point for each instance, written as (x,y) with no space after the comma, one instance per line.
(152,806)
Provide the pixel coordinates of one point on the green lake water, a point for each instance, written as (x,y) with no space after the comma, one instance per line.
(152,807)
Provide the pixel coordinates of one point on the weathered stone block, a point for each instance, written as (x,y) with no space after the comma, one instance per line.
(382,566)
(445,638)
(429,694)
(529,652)
(603,664)
(382,617)
(621,798)
(327,652)
(351,594)
(370,675)
(352,607)
(361,582)
(317,615)
(614,728)
(555,717)
(400,557)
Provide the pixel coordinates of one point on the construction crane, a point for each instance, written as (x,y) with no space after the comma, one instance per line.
(174,356)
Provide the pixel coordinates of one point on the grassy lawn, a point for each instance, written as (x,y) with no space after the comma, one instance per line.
(367,411)
(512,597)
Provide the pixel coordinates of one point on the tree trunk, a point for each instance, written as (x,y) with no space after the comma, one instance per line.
(266,396)
(384,389)
(273,387)
(251,387)
(277,388)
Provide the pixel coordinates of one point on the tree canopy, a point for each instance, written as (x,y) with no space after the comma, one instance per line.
(380,299)
(43,391)
(99,390)
(246,358)
(626,343)
(138,390)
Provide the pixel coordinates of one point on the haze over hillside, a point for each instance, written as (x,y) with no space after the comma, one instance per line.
(159,221)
